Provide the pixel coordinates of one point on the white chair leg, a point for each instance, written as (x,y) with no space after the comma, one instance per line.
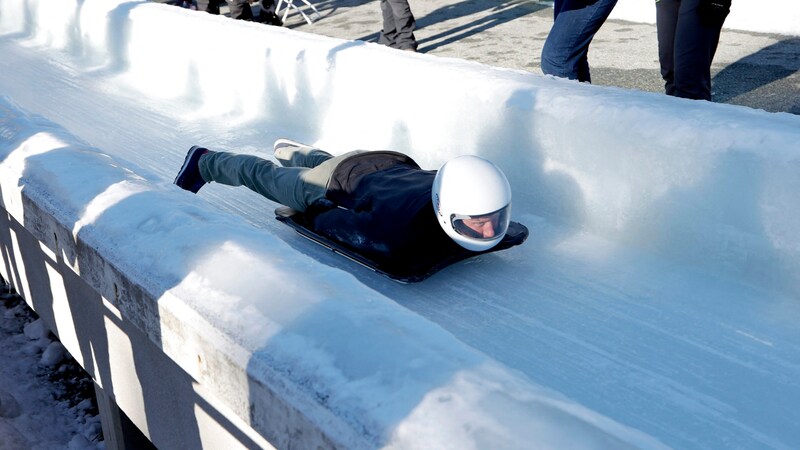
(316,13)
(290,4)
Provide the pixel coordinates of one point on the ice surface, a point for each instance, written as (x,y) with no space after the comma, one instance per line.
(655,302)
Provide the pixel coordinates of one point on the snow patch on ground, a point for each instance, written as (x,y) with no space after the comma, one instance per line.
(46,400)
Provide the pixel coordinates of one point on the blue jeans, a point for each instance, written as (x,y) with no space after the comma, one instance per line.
(300,180)
(574,27)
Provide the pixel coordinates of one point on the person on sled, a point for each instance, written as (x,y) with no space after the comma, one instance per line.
(381,204)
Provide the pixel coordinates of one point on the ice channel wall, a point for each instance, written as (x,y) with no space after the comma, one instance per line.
(589,158)
(633,167)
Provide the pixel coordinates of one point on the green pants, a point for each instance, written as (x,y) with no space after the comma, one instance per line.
(301,179)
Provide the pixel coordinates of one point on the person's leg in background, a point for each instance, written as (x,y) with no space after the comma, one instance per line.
(240,9)
(398,25)
(666,23)
(575,23)
(688,35)
(268,5)
(389,31)
(696,40)
(209,6)
(267,14)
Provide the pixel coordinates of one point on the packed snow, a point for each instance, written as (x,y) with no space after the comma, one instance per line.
(655,303)
(46,400)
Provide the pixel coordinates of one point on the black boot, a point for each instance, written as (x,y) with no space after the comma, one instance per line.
(269,18)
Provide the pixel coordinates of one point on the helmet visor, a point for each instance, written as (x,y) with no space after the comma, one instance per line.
(484,227)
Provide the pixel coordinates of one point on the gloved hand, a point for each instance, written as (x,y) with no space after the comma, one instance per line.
(318,207)
(713,12)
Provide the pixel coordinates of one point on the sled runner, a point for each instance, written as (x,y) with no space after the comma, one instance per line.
(516,234)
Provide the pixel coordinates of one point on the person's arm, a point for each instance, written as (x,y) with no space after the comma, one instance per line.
(358,230)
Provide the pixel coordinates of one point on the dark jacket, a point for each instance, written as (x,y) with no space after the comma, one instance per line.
(380,206)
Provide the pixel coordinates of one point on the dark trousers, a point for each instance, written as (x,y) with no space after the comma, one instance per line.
(239,9)
(576,21)
(398,25)
(686,47)
(300,180)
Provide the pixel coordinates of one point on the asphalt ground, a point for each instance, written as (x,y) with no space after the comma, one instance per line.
(757,70)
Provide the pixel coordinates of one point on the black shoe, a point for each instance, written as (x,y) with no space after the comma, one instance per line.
(189,177)
(269,18)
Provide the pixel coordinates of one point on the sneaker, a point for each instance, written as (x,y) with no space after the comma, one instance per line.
(284,152)
(282,143)
(269,18)
(189,177)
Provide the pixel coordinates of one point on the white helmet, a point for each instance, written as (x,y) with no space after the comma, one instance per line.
(472,201)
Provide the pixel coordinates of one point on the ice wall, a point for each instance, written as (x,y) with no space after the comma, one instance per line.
(705,184)
(278,354)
